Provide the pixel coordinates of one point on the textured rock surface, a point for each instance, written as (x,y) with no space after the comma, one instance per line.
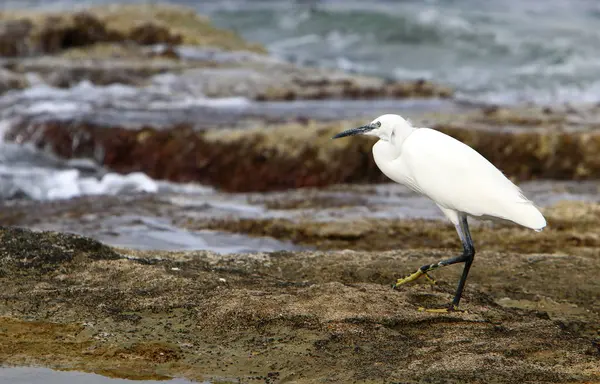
(550,145)
(129,43)
(69,302)
(217,73)
(10,80)
(28,32)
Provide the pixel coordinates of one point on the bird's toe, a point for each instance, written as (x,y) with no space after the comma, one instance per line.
(430,279)
(434,310)
(448,309)
(410,278)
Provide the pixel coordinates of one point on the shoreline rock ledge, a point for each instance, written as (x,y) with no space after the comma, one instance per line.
(128,44)
(69,302)
(558,145)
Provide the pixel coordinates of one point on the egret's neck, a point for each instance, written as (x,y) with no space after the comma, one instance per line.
(399,135)
(385,151)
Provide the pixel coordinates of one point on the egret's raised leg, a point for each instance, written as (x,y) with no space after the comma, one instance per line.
(462,227)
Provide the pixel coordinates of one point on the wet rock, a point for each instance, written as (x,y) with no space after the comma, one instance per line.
(14,37)
(303,155)
(170,24)
(377,218)
(97,43)
(284,316)
(148,33)
(338,86)
(10,80)
(268,163)
(70,77)
(570,225)
(53,33)
(216,73)
(79,30)
(65,72)
(26,252)
(30,32)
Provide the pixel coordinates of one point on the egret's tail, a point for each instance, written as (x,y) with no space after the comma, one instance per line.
(527,215)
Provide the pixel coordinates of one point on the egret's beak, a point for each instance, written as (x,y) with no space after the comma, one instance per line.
(355,131)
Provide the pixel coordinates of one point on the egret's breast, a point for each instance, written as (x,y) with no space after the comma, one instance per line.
(389,160)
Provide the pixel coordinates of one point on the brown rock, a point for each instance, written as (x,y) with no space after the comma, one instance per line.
(295,155)
(341,86)
(285,316)
(14,37)
(180,154)
(51,34)
(10,80)
(64,72)
(79,30)
(30,32)
(149,33)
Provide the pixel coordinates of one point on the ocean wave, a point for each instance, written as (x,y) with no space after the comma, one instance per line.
(169,100)
(564,94)
(30,173)
(51,184)
(516,45)
(521,48)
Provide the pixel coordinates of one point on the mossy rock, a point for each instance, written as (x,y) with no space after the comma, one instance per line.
(26,32)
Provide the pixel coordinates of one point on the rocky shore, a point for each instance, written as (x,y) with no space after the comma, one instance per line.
(152,127)
(71,303)
(103,46)
(176,98)
(526,144)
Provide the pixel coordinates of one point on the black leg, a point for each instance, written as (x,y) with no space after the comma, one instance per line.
(466,257)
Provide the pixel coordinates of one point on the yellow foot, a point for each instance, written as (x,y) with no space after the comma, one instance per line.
(449,309)
(414,277)
(430,279)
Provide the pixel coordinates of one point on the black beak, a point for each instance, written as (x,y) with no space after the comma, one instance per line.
(354,131)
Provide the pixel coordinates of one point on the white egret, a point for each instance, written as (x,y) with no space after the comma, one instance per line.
(456,177)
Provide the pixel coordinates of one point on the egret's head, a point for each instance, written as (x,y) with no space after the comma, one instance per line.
(384,127)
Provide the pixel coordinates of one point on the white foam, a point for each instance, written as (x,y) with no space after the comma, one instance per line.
(574,93)
(184,188)
(54,107)
(402,73)
(432,17)
(220,102)
(50,184)
(291,22)
(114,184)
(86,99)
(295,42)
(339,40)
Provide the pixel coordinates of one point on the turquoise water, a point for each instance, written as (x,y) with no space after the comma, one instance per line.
(504,52)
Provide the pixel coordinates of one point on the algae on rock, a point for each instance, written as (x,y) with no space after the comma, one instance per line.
(27,32)
(291,316)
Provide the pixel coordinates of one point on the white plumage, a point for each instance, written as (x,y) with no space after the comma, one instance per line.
(456,177)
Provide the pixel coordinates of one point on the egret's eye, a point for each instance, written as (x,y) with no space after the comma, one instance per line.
(378,124)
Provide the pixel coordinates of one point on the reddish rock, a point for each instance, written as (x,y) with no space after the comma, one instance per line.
(351,88)
(148,33)
(81,30)
(14,37)
(182,155)
(24,33)
(10,80)
(288,157)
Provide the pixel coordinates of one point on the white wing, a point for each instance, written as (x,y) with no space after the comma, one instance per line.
(457,177)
